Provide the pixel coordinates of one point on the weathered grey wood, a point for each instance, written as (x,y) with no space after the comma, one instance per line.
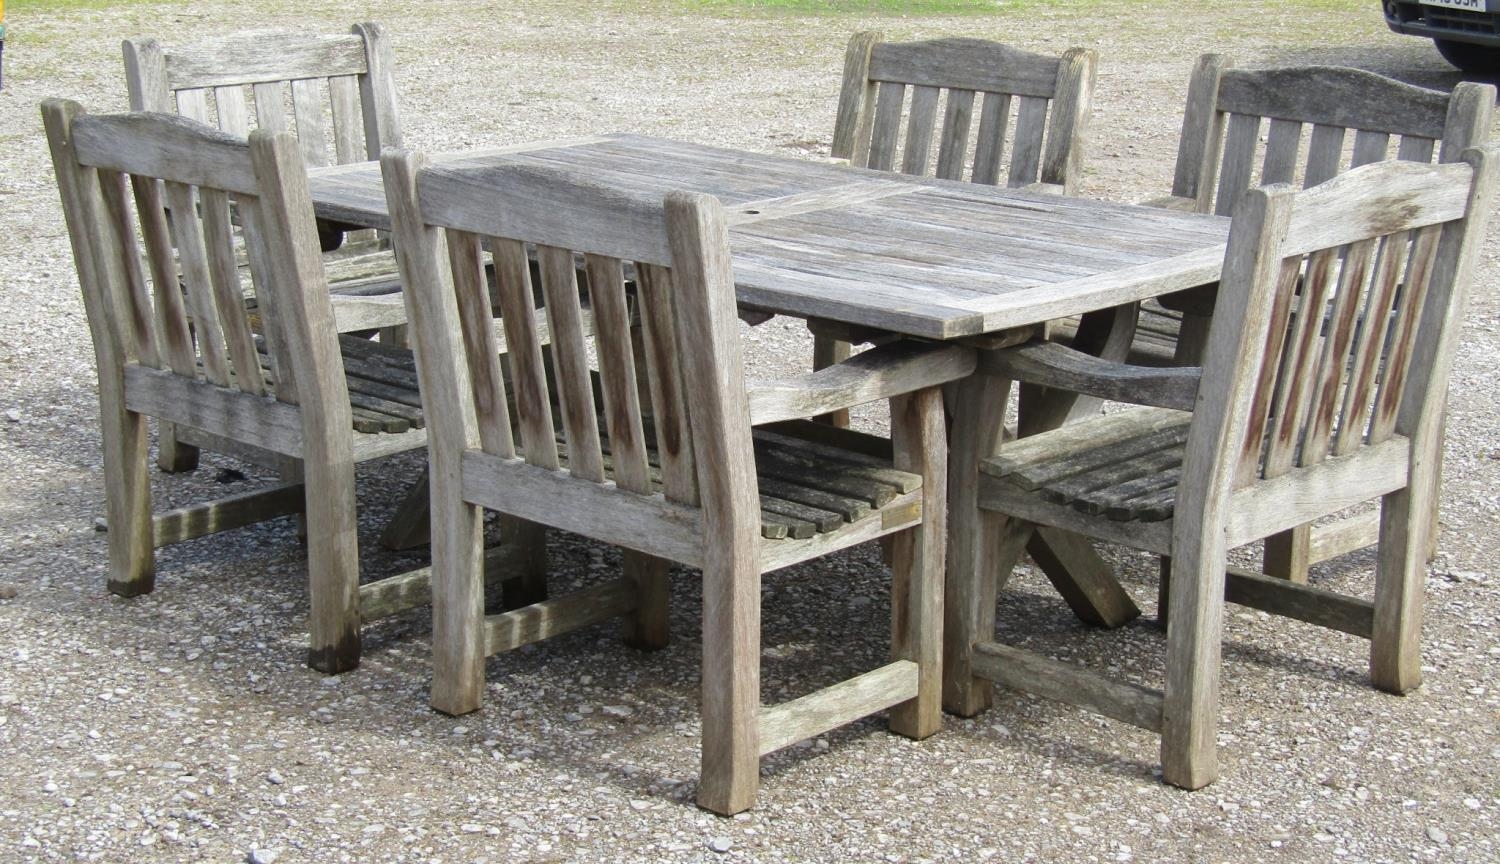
(856,95)
(707,334)
(457,538)
(413,589)
(1053,365)
(1082,578)
(537,621)
(326,446)
(1300,602)
(973,64)
(1066,682)
(225,514)
(1355,532)
(164,147)
(602,511)
(834,706)
(919,436)
(977,405)
(260,422)
(875,374)
(1336,95)
(128,491)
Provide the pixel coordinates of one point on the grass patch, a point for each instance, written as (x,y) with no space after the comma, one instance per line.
(841,7)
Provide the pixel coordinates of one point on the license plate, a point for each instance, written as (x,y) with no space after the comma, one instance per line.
(1471,5)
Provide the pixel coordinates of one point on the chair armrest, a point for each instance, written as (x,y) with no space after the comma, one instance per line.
(880,373)
(1052,365)
(1171,202)
(1044,188)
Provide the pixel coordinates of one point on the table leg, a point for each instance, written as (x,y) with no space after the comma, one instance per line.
(977,410)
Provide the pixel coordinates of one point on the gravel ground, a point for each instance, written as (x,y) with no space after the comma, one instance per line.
(182,725)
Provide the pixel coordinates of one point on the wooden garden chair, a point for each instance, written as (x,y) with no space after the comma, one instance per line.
(1302,125)
(677,472)
(1322,386)
(336,93)
(1033,112)
(148,200)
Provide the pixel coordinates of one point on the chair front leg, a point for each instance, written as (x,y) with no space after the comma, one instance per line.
(1190,707)
(1400,574)
(332,566)
(730,771)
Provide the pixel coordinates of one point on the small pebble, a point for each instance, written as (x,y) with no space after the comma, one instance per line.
(13,415)
(1437,835)
(275,778)
(720,844)
(8,591)
(263,856)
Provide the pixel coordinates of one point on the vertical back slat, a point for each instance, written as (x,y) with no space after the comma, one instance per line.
(1333,363)
(1369,147)
(270,112)
(884,136)
(524,348)
(1413,289)
(1374,315)
(1324,153)
(674,444)
(1026,151)
(228,297)
(919,129)
(957,116)
(234,116)
(481,348)
(1282,143)
(193,104)
(116,210)
(1415,148)
(1238,162)
(174,337)
(1260,404)
(195,279)
(307,107)
(283,371)
(1370,342)
(1288,407)
(570,357)
(994,116)
(348,129)
(617,373)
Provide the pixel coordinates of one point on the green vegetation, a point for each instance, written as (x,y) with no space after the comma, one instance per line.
(836,7)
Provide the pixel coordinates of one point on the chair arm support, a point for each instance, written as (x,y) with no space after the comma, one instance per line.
(1171,202)
(1052,365)
(880,373)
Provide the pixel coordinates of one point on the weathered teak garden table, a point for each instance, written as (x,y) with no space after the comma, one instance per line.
(872,251)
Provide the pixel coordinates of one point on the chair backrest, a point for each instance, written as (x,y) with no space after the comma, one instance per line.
(340,89)
(1236,118)
(164,190)
(1050,98)
(676,255)
(1336,320)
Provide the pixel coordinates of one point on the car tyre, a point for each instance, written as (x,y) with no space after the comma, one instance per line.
(1479,59)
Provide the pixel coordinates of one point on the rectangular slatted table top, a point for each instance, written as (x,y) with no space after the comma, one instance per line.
(920,256)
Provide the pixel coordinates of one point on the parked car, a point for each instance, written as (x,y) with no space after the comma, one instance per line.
(1466,32)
